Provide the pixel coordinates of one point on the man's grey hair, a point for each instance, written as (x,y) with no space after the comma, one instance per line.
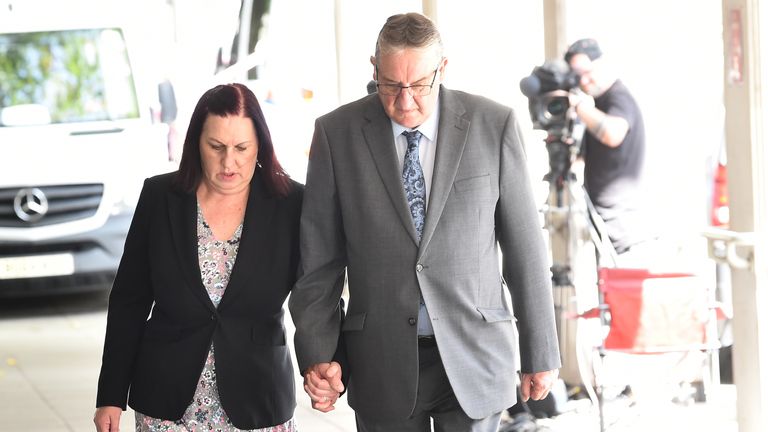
(410,30)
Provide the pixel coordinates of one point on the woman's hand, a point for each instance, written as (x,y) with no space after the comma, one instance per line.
(107,419)
(323,384)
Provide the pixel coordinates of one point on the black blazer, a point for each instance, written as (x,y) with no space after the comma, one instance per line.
(160,359)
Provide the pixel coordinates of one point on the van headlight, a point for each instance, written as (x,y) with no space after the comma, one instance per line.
(126,198)
(122,207)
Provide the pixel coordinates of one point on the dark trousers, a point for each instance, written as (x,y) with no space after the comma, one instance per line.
(435,403)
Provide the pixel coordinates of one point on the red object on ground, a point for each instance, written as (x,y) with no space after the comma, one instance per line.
(655,312)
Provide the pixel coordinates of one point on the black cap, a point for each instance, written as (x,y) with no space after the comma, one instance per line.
(584,46)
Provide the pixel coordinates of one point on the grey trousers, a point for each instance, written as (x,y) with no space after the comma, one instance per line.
(435,405)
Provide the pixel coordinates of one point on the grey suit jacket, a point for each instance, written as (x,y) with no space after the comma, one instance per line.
(355,218)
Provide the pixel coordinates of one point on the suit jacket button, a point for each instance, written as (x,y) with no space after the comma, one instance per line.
(213,317)
(419,267)
(412,321)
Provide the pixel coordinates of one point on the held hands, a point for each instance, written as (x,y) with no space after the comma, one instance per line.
(322,382)
(107,419)
(536,386)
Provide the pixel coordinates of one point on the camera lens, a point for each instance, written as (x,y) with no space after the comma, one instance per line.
(557,107)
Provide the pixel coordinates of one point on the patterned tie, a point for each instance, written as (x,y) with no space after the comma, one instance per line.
(416,193)
(413,181)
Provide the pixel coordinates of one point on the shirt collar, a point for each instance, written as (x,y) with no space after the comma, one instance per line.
(428,129)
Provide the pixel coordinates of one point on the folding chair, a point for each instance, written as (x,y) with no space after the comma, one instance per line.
(655,313)
(650,312)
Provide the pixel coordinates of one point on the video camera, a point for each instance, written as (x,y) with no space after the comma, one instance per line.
(547,89)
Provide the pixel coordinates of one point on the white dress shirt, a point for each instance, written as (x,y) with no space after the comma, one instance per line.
(427,146)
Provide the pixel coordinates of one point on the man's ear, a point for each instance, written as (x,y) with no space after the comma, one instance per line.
(443,64)
(373,63)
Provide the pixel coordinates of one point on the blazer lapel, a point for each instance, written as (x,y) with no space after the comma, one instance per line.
(381,143)
(254,244)
(182,212)
(451,139)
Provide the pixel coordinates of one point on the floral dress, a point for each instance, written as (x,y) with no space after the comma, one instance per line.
(205,413)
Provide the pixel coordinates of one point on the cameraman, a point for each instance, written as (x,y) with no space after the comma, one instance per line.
(613,148)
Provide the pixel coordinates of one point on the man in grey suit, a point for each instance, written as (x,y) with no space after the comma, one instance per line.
(414,220)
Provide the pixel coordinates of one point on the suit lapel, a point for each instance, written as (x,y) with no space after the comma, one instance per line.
(381,143)
(257,221)
(451,139)
(182,212)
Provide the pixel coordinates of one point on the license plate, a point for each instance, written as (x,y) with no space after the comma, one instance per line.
(37,266)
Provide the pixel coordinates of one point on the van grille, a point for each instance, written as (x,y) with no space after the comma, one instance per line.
(64,204)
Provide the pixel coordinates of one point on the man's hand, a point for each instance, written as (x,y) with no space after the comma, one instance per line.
(536,386)
(580,100)
(322,382)
(107,419)
(610,130)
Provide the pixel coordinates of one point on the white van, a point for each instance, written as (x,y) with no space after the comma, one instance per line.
(77,139)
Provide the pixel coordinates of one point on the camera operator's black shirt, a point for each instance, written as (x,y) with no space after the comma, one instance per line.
(612,176)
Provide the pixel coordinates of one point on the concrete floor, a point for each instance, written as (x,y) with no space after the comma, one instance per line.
(50,353)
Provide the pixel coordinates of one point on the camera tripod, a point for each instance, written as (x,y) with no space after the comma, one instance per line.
(579,245)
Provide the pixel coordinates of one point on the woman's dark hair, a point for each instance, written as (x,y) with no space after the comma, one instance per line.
(230,100)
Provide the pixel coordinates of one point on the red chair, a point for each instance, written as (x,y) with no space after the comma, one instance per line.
(654,313)
(657,312)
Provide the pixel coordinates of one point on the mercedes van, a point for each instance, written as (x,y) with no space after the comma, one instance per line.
(77,139)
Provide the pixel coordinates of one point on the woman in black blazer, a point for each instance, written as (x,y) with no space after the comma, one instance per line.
(195,337)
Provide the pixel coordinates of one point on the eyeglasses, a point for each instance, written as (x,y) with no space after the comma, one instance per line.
(416,89)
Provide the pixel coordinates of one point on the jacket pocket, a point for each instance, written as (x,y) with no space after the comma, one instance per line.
(473,183)
(495,315)
(354,322)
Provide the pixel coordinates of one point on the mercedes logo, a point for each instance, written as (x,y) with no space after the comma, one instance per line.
(30,204)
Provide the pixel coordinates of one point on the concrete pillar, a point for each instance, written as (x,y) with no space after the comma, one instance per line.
(555,43)
(745,139)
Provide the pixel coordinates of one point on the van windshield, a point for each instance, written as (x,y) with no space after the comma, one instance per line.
(65,77)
